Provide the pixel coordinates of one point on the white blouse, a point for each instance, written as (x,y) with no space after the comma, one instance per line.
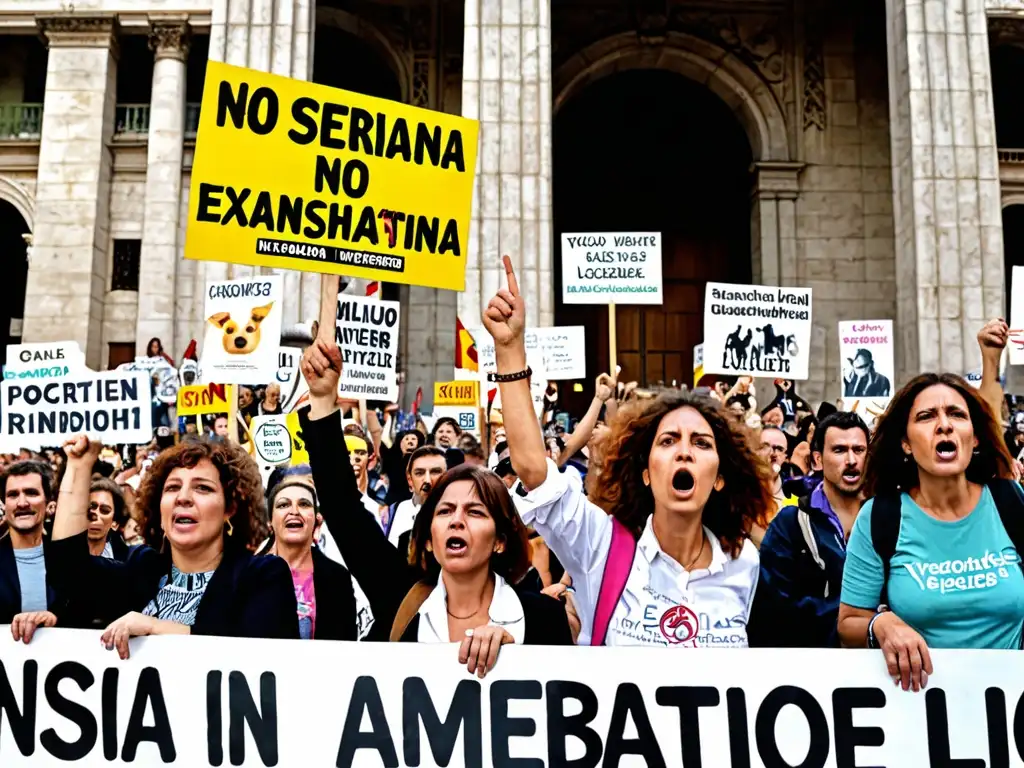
(663,604)
(505,611)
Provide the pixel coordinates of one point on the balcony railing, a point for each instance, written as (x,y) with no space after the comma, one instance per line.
(133,120)
(1011,156)
(21,121)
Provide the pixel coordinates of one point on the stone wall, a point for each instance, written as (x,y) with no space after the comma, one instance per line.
(844,225)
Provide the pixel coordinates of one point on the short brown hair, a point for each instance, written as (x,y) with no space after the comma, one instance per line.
(239,476)
(512,563)
(106,484)
(419,453)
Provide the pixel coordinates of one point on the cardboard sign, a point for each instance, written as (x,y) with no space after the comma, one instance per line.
(367,334)
(346,184)
(200,399)
(413,704)
(44,360)
(564,349)
(611,268)
(757,330)
(867,366)
(115,407)
(278,440)
(243,330)
(456,393)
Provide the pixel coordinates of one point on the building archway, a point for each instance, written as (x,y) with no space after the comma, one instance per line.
(651,150)
(14,249)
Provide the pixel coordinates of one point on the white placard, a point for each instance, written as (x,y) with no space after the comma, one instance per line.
(115,407)
(44,360)
(367,334)
(1016,345)
(564,350)
(271,439)
(164,378)
(611,268)
(488,363)
(467,417)
(290,379)
(867,366)
(757,330)
(243,330)
(405,704)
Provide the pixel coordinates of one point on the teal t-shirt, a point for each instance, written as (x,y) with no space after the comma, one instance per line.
(958,583)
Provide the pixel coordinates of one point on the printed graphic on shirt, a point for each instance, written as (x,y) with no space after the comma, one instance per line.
(964,575)
(305,599)
(678,626)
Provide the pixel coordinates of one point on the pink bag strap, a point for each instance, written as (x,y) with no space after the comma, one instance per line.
(613,582)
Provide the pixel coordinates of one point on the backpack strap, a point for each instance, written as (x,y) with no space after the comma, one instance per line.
(886,515)
(408,609)
(613,582)
(1009,499)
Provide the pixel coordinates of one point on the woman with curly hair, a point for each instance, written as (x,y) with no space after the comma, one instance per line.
(202,506)
(932,560)
(660,555)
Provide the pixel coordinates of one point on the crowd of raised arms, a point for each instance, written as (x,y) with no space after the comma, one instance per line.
(663,518)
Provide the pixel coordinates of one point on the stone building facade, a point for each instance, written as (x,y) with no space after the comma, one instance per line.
(849,147)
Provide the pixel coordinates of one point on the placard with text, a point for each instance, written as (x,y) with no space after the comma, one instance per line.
(243,330)
(757,330)
(867,366)
(367,334)
(296,175)
(611,268)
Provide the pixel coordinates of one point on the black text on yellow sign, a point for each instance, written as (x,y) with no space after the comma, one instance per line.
(296,175)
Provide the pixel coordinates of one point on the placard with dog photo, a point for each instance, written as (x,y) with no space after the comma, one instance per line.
(243,330)
(757,330)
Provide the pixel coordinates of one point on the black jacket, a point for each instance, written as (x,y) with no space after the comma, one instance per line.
(335,600)
(10,585)
(247,596)
(381,570)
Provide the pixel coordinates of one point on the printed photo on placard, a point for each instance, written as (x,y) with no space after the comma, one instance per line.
(367,333)
(866,355)
(757,330)
(243,330)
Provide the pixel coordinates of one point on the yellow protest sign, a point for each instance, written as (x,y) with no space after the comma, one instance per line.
(302,176)
(277,440)
(197,399)
(456,393)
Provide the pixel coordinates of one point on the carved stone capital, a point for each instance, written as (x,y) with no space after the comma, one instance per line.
(76,30)
(777,180)
(170,38)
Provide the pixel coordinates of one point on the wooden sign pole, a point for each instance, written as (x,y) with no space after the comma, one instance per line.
(612,338)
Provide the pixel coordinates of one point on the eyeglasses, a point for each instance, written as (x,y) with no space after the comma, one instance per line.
(773,448)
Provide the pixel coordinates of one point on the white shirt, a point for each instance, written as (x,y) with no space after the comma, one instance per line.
(662,604)
(405,516)
(505,611)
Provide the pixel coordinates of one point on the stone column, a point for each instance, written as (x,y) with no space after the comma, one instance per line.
(949,240)
(272,36)
(68,273)
(169,40)
(507,86)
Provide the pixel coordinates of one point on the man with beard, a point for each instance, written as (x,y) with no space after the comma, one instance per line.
(426,465)
(804,549)
(27,596)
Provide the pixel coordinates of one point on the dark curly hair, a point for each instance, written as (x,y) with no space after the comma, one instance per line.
(888,473)
(730,513)
(513,562)
(239,476)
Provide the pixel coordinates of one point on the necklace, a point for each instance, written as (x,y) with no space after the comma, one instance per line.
(460,618)
(703,541)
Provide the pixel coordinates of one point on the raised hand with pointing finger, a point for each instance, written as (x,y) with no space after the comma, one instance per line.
(505,316)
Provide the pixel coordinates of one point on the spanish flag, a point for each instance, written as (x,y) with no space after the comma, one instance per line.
(465,348)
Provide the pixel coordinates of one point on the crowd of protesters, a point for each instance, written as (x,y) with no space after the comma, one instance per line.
(659,518)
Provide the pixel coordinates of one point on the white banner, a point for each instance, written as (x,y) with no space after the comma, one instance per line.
(564,350)
(115,407)
(243,330)
(757,330)
(867,366)
(611,267)
(367,334)
(43,360)
(255,703)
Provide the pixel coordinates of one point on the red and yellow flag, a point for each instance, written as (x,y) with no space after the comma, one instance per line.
(465,348)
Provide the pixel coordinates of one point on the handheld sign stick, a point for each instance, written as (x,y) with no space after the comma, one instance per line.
(328,307)
(612,338)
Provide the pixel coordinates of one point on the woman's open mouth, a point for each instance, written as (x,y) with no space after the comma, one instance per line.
(293,525)
(683,483)
(455,546)
(946,450)
(183,521)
